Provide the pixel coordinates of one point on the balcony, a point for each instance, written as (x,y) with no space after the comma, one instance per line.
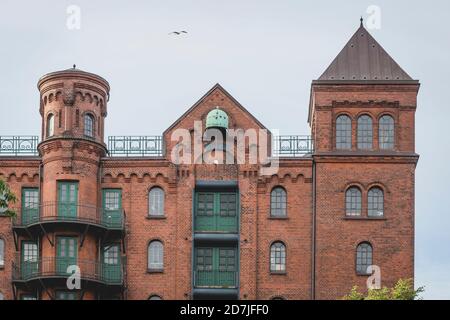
(215,284)
(216,224)
(48,216)
(215,279)
(53,271)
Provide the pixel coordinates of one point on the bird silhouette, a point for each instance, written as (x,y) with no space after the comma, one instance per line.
(178,32)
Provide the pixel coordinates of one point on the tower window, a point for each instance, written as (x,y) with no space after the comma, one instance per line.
(375,201)
(365,133)
(278,257)
(50,125)
(155,256)
(363,258)
(278,202)
(88,125)
(353,202)
(343,132)
(386,132)
(156,202)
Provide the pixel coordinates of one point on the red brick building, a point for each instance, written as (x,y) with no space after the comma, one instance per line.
(139,225)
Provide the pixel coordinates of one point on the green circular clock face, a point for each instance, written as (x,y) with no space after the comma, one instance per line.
(217,118)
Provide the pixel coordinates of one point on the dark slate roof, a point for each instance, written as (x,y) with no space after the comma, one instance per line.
(363,59)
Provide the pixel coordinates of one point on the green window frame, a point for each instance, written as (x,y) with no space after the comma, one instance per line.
(30,205)
(67,199)
(112,207)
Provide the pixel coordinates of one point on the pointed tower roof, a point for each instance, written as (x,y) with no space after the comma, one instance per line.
(364,59)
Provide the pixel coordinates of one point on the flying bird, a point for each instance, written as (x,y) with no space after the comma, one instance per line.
(178,32)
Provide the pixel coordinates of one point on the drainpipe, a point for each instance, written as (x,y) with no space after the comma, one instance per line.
(313,235)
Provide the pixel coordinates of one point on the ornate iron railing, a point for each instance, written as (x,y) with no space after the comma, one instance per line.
(135,145)
(153,146)
(48,267)
(292,146)
(19,145)
(68,212)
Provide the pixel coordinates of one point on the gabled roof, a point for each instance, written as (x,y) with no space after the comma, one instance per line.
(363,59)
(207,94)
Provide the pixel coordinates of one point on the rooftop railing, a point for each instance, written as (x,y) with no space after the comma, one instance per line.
(151,146)
(19,145)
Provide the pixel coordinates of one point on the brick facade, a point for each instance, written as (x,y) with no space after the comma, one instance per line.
(320,239)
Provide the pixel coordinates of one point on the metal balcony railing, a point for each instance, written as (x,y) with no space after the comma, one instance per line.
(68,212)
(215,279)
(18,145)
(56,267)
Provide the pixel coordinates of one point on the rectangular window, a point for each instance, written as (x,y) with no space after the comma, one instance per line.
(67,199)
(30,205)
(228,204)
(205,204)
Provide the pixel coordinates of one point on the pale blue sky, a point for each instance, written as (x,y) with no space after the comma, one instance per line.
(265,53)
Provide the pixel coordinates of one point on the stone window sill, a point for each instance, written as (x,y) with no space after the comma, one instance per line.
(156,217)
(155,270)
(363,218)
(278,273)
(278,218)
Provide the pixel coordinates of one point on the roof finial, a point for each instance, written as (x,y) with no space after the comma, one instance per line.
(361,20)
(74,66)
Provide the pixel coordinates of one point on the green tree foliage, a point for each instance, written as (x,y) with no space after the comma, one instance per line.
(6,197)
(403,290)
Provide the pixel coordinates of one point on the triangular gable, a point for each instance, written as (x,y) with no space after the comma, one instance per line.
(217,86)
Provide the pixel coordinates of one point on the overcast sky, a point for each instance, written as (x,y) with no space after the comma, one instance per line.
(265,53)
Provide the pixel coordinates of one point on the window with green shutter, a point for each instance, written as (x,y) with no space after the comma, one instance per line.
(215,267)
(216,211)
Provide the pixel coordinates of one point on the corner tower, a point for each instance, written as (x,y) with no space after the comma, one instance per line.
(73,109)
(75,225)
(361,113)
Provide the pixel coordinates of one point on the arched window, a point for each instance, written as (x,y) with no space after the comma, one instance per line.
(353,202)
(363,257)
(278,257)
(155,255)
(88,125)
(154,297)
(343,132)
(386,132)
(365,132)
(375,202)
(278,202)
(156,202)
(50,125)
(2,252)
